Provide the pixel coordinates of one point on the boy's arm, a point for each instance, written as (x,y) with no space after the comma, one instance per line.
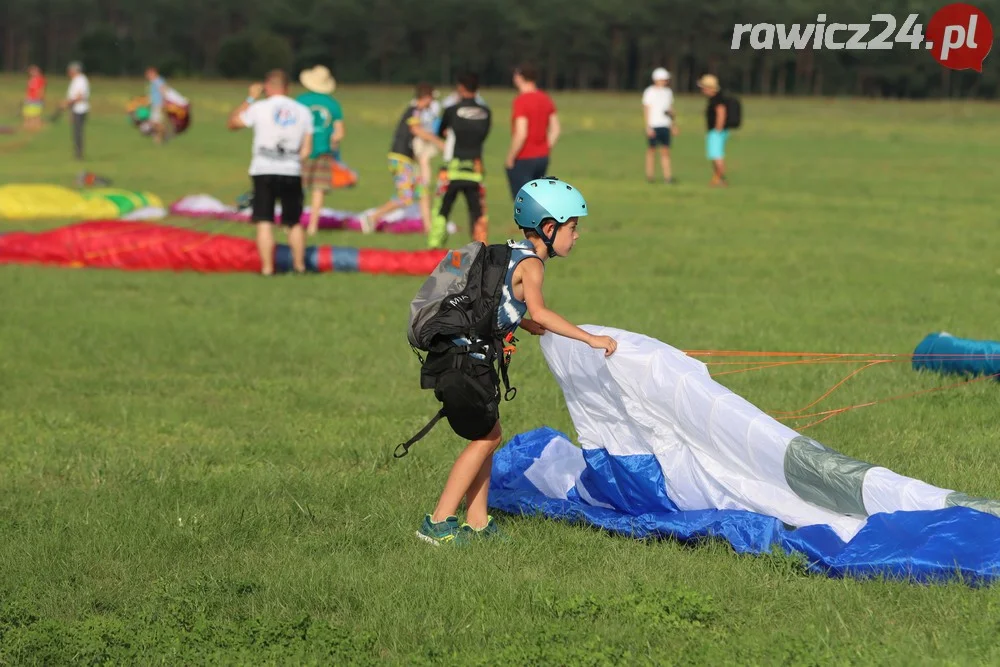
(531,280)
(419,131)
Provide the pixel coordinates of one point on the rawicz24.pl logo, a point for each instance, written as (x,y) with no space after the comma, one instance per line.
(959,36)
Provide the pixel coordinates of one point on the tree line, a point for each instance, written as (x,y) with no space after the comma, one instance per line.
(575,44)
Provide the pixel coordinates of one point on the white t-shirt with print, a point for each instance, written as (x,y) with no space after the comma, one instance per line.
(660,100)
(79,86)
(280,125)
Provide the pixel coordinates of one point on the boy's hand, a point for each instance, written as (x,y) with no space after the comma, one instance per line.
(606,343)
(532,327)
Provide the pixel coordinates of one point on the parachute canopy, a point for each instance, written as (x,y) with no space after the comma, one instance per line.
(950,355)
(41,201)
(401,221)
(137,246)
(667,451)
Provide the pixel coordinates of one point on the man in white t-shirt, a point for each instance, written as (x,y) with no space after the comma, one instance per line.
(78,102)
(282,139)
(658,116)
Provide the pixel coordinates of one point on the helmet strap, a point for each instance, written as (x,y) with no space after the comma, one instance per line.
(549,241)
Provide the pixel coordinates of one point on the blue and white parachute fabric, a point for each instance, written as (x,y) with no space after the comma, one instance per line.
(669,452)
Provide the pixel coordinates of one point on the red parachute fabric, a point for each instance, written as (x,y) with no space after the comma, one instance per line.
(131,246)
(143,246)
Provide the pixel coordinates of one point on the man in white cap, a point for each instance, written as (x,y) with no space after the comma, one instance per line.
(328,128)
(658,115)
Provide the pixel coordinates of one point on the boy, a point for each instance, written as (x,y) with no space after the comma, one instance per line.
(547,210)
(403,161)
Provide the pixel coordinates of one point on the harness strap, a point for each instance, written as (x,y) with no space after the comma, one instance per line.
(419,436)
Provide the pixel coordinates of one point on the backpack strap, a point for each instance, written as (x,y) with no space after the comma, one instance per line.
(405,446)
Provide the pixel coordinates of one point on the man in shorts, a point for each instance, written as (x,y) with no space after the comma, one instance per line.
(328,130)
(715,119)
(402,159)
(282,139)
(658,113)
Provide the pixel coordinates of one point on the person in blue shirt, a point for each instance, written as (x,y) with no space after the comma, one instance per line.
(157,99)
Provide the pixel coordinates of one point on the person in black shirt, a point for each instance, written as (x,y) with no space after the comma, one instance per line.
(469,121)
(402,160)
(715,119)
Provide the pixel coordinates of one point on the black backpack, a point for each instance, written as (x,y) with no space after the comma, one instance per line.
(734,112)
(460,300)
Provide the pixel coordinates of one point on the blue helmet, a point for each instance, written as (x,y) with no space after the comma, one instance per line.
(545,198)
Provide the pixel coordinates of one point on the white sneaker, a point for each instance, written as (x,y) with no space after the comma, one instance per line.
(367,223)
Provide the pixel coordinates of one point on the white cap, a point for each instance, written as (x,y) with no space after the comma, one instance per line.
(660,74)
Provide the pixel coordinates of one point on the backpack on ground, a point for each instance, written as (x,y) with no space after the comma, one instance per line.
(459,300)
(734,112)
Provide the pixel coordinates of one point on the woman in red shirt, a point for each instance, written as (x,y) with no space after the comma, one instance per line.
(534,131)
(34,99)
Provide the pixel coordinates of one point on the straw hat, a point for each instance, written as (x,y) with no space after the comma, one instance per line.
(318,79)
(709,82)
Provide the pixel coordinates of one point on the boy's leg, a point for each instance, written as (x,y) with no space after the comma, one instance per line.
(464,474)
(476,506)
(403,180)
(650,158)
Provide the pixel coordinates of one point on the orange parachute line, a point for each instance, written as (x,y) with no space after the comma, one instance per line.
(763,360)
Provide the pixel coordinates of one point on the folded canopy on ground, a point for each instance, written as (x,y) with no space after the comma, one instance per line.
(667,451)
(137,246)
(951,355)
(28,201)
(402,221)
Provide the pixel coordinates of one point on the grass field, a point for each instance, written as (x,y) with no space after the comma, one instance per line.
(198,468)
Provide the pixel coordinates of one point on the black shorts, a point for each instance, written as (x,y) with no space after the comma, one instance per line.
(661,135)
(269,189)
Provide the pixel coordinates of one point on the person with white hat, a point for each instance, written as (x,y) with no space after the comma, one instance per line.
(328,131)
(658,115)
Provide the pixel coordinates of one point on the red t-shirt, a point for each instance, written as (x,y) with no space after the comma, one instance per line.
(537,107)
(36,88)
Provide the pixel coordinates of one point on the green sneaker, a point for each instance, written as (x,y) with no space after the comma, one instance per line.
(488,532)
(443,532)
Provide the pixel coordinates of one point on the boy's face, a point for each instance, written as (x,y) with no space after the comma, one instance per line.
(425,101)
(566,238)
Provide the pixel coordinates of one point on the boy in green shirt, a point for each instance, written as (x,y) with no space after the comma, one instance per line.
(328,123)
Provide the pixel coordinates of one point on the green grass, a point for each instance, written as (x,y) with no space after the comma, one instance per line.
(198,467)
